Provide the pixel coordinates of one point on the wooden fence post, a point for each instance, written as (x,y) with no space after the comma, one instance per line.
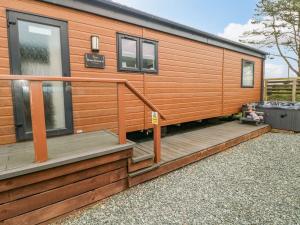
(38,121)
(266,90)
(294,90)
(121,113)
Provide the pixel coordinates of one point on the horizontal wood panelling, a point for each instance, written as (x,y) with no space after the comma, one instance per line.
(7,139)
(4,83)
(234,94)
(6,120)
(6,110)
(28,179)
(82,35)
(95,105)
(189,79)
(93,120)
(209,59)
(4,70)
(56,182)
(5,92)
(3,44)
(43,199)
(7,130)
(3,32)
(4,52)
(60,208)
(180,41)
(62,189)
(93,112)
(101,126)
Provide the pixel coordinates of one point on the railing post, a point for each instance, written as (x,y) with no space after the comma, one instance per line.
(38,121)
(294,90)
(121,113)
(157,142)
(266,90)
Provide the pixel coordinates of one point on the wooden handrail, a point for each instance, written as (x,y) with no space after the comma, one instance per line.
(83,79)
(146,101)
(59,78)
(38,116)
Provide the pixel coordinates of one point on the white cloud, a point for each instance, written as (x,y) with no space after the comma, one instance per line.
(234,31)
(275,70)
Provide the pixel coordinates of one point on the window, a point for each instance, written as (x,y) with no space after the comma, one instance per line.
(149,56)
(128,53)
(247,74)
(136,54)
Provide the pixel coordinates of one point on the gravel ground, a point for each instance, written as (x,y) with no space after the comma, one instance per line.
(257,182)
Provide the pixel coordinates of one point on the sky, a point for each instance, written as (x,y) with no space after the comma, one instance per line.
(228,19)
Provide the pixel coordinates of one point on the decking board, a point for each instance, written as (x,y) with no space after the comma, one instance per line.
(15,158)
(188,142)
(171,161)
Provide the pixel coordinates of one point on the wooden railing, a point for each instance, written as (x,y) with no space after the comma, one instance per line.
(38,114)
(282,89)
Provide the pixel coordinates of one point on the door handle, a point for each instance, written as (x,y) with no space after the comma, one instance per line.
(283,115)
(18,125)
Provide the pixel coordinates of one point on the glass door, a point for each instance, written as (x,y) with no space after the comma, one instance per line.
(39,46)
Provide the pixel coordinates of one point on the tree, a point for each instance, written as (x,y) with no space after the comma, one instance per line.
(277,26)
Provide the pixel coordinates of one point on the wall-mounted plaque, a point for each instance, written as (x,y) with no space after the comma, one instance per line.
(94,60)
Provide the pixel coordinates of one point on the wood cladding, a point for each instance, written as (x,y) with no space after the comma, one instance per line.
(195,80)
(41,196)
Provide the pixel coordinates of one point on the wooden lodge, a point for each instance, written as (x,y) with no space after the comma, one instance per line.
(77,76)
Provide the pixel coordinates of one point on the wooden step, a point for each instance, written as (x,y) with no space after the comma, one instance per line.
(145,170)
(141,159)
(132,167)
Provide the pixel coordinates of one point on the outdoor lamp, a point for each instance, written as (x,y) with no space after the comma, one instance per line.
(95,43)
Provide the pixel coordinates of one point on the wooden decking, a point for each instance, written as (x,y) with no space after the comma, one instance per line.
(18,159)
(86,168)
(187,147)
(189,142)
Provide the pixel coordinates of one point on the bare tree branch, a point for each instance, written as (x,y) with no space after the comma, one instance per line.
(277,26)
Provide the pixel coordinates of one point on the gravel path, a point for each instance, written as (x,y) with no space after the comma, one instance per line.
(257,182)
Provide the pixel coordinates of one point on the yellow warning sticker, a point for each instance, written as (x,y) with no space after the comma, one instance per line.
(154,118)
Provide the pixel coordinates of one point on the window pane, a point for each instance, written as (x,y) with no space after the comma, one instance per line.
(40,51)
(148,56)
(128,55)
(248,74)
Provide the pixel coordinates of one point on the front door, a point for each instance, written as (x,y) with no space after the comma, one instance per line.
(39,46)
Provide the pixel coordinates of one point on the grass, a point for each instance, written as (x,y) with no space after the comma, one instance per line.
(282,97)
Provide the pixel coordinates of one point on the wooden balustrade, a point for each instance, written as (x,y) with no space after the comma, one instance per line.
(282,89)
(38,114)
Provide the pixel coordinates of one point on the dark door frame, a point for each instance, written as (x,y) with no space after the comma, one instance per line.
(13,41)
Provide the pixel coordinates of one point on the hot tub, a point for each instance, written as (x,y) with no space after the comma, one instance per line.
(280,115)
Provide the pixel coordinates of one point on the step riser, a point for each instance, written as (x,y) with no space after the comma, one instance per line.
(132,167)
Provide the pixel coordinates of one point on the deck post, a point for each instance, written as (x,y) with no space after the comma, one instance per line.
(266,90)
(157,142)
(121,113)
(38,121)
(294,90)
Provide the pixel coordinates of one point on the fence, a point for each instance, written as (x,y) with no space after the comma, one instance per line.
(282,89)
